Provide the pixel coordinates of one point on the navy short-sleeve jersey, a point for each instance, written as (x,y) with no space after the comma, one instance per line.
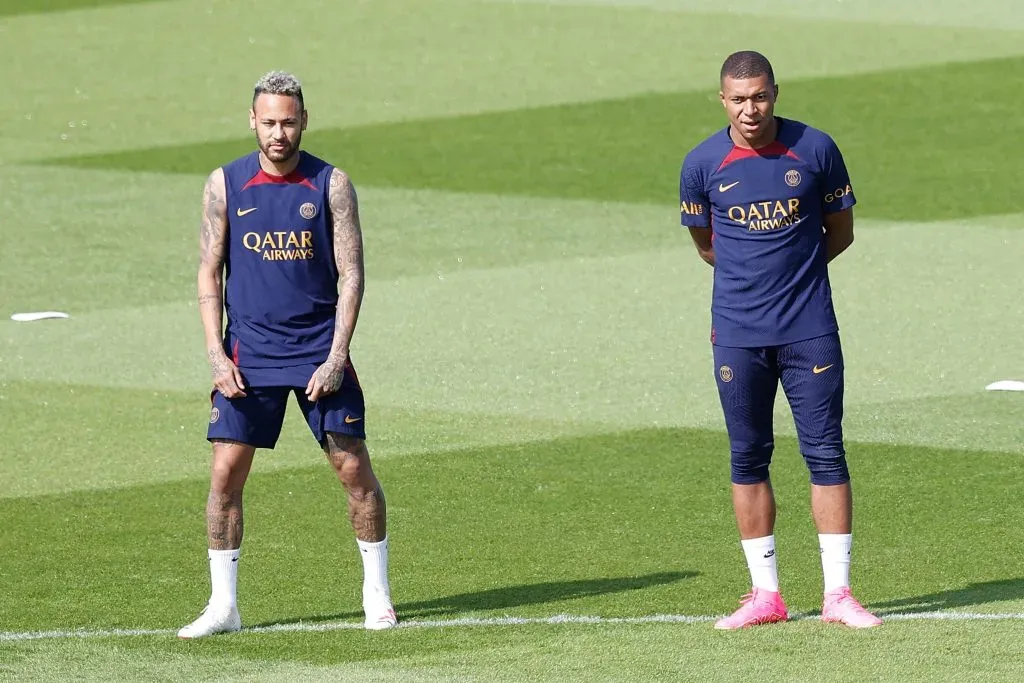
(766,209)
(281,279)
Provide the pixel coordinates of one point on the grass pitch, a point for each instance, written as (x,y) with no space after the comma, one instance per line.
(542,411)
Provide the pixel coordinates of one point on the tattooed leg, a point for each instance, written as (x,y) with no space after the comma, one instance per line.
(231,464)
(366,507)
(224,520)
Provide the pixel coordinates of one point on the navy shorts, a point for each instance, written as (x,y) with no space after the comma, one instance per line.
(811,373)
(257,419)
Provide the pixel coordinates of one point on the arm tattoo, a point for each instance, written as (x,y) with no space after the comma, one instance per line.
(213,230)
(218,362)
(348,255)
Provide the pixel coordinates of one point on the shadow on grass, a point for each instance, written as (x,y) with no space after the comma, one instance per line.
(511,596)
(969,596)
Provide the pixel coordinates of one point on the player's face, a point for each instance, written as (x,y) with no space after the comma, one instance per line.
(750,104)
(278,121)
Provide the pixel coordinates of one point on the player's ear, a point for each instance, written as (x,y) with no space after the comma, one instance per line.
(775,91)
(252,119)
(305,119)
(721,96)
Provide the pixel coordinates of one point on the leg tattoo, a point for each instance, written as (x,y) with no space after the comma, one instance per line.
(367,510)
(368,513)
(224,520)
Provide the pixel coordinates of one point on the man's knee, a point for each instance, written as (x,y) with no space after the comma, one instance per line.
(351,461)
(750,465)
(231,464)
(827,466)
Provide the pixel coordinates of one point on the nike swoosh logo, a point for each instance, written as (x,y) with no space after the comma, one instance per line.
(349,419)
(240,213)
(726,188)
(817,371)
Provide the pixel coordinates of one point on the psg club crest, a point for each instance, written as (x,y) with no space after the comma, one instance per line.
(725,372)
(214,415)
(792,177)
(308,210)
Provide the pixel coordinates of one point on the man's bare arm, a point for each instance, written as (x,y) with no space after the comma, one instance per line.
(838,232)
(348,255)
(213,240)
(702,240)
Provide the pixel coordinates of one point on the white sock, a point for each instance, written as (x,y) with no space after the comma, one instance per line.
(375,568)
(223,577)
(760,552)
(835,559)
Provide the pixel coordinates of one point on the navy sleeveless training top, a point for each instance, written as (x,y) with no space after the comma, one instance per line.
(281,280)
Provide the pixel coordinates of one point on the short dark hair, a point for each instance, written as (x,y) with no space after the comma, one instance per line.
(746,64)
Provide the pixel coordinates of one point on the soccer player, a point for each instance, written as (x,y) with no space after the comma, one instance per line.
(281,253)
(768,203)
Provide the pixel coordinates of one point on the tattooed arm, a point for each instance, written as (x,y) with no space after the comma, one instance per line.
(213,240)
(348,254)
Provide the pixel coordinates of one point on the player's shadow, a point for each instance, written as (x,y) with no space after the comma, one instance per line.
(969,596)
(513,596)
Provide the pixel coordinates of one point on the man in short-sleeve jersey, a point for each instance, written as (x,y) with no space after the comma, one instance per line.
(769,203)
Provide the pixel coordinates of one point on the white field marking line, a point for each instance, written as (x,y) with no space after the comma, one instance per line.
(312,627)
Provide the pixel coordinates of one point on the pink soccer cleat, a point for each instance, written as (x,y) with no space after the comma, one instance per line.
(759,607)
(842,608)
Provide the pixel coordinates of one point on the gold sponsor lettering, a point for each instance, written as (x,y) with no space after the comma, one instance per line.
(288,255)
(773,223)
(838,193)
(768,215)
(691,208)
(280,245)
(251,241)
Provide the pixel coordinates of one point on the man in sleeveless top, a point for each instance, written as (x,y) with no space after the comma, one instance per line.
(281,255)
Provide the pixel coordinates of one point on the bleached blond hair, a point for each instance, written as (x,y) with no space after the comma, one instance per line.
(279,83)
